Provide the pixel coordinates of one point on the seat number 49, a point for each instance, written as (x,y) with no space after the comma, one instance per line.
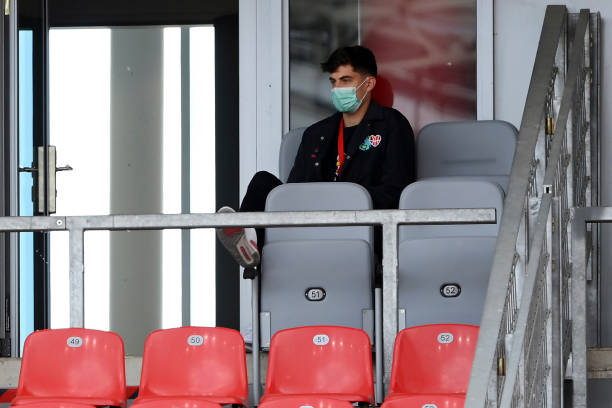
(74,342)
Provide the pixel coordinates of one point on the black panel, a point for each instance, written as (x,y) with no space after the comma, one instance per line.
(5,342)
(33,15)
(138,12)
(227,159)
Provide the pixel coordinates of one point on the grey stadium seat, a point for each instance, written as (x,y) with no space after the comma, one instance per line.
(444,269)
(335,261)
(288,150)
(480,149)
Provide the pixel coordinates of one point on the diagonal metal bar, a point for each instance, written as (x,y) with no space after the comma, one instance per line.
(499,280)
(573,76)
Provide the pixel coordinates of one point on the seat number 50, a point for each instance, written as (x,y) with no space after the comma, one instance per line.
(195,340)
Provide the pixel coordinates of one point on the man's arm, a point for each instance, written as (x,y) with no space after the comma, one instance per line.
(399,165)
(298,171)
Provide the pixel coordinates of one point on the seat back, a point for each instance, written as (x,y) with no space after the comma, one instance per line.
(173,403)
(321,360)
(317,275)
(290,144)
(433,359)
(444,280)
(306,402)
(73,364)
(195,362)
(318,197)
(482,149)
(444,269)
(426,401)
(451,193)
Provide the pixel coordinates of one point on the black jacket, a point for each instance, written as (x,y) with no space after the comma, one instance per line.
(383,165)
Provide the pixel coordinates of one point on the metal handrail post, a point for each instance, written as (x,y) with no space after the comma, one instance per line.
(580,217)
(390,295)
(378,345)
(77,277)
(255,341)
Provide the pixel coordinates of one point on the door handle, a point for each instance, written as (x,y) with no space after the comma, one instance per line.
(38,189)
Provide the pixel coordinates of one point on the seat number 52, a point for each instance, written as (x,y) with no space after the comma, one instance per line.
(445,338)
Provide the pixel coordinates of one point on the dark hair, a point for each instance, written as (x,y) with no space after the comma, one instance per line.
(361,58)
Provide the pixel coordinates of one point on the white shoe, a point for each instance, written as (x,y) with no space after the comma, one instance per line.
(241,243)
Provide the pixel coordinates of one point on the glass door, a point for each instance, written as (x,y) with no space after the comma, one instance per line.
(127,101)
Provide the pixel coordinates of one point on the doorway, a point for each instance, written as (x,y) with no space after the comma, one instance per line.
(141,98)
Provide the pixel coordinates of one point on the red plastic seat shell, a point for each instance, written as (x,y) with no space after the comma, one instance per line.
(212,369)
(340,369)
(52,371)
(59,404)
(424,363)
(306,401)
(429,401)
(178,403)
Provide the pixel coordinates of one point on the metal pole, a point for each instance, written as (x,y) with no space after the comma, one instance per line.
(556,316)
(390,283)
(378,345)
(578,311)
(77,286)
(185,173)
(255,341)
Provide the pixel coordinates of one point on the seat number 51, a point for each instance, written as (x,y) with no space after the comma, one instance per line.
(320,340)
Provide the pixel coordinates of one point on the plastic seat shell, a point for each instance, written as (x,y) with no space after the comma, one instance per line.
(433,359)
(178,403)
(306,402)
(322,361)
(194,363)
(427,401)
(80,366)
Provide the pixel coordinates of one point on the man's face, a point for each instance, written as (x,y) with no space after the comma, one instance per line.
(346,76)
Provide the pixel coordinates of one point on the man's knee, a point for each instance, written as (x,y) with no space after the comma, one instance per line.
(264,178)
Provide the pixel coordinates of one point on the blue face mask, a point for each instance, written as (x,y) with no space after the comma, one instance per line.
(345,99)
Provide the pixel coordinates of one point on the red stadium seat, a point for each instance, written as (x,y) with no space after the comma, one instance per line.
(306,402)
(79,366)
(426,401)
(433,359)
(57,405)
(194,363)
(178,403)
(322,361)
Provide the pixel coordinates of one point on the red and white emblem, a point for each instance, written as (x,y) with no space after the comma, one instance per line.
(375,140)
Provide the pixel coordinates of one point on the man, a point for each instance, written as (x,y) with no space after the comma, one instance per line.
(363,143)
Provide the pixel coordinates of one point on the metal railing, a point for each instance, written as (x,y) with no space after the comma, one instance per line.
(582,256)
(524,343)
(390,220)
